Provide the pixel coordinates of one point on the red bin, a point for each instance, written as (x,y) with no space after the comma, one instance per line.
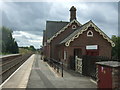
(108,75)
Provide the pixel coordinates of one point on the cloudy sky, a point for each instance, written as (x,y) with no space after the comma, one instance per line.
(28,19)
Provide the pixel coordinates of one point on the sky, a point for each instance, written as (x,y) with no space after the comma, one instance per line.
(28,19)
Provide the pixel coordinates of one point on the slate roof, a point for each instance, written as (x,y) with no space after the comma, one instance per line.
(109,63)
(63,29)
(53,27)
(75,32)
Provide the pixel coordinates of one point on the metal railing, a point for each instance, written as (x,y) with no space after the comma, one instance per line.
(57,65)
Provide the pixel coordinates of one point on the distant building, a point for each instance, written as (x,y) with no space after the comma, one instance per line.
(63,40)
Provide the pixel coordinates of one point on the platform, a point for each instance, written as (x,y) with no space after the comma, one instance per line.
(43,76)
(35,73)
(19,78)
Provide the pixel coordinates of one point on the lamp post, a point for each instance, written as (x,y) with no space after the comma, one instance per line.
(62,69)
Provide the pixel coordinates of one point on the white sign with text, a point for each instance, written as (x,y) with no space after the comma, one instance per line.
(92,47)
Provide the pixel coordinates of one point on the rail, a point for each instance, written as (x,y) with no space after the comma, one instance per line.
(57,65)
(9,65)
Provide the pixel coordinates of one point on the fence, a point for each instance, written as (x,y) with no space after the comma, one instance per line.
(78,65)
(89,65)
(57,65)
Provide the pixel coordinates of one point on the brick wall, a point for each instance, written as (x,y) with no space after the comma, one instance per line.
(116,78)
(104,46)
(53,45)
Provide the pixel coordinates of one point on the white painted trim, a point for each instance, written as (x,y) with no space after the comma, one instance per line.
(44,43)
(85,29)
(74,26)
(63,29)
(89,31)
(65,55)
(93,81)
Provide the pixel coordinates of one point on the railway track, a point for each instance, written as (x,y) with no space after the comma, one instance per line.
(9,65)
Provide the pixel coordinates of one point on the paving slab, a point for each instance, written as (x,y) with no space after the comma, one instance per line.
(43,76)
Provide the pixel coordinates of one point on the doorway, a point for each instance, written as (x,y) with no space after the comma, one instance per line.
(92,52)
(77,52)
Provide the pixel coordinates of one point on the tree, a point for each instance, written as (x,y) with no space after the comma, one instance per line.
(116,49)
(2,46)
(8,43)
(32,48)
(15,47)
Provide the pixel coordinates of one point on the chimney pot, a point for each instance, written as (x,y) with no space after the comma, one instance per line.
(72,13)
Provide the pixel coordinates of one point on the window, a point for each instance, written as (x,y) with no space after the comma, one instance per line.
(44,43)
(89,47)
(65,55)
(73,26)
(90,33)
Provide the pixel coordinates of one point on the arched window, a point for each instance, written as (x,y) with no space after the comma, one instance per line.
(90,33)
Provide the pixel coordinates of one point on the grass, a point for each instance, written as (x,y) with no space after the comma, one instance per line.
(4,53)
(24,51)
(21,51)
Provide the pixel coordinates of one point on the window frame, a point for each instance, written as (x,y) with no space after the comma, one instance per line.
(74,26)
(65,55)
(89,32)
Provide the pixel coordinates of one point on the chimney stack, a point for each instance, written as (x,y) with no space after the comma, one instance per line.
(72,13)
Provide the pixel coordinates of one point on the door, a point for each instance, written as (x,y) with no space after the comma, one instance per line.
(77,52)
(92,52)
(104,77)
